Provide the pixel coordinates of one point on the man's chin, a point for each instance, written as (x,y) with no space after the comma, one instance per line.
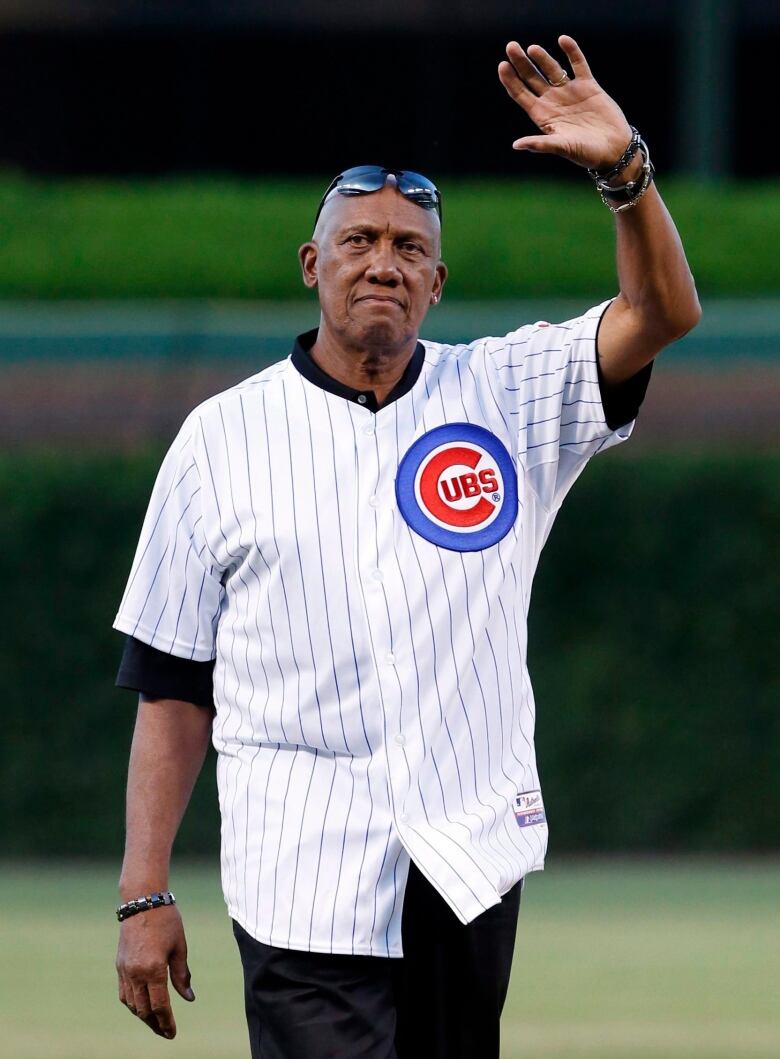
(381,334)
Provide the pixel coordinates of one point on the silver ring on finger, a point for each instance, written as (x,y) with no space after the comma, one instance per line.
(563,80)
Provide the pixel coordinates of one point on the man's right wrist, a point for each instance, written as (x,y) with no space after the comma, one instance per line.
(135,886)
(144,903)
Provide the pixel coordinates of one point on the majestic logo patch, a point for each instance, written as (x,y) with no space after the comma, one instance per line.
(529,809)
(457,487)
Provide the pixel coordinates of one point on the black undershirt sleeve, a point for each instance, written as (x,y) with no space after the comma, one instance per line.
(158,675)
(621,403)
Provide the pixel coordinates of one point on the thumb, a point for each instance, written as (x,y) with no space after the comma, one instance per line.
(539,144)
(180,974)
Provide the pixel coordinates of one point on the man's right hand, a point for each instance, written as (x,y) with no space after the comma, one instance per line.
(149,944)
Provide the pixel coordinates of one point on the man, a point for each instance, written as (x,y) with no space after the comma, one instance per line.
(351,535)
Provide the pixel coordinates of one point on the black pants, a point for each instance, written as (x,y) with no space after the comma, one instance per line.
(443,1000)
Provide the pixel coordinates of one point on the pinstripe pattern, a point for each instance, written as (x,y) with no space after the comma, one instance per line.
(372,697)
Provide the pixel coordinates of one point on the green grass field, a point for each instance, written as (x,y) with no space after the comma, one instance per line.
(228,238)
(614,960)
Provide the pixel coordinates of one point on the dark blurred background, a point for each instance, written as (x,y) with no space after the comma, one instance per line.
(111,87)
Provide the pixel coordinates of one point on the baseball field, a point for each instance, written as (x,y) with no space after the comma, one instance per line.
(648,959)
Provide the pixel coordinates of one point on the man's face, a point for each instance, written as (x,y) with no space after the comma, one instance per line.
(375,262)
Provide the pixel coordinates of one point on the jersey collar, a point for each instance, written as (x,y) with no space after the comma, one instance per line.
(302,360)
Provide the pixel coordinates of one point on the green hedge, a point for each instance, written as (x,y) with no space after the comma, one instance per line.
(221,238)
(653,652)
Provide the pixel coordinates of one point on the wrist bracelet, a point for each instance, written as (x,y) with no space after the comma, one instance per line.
(624,196)
(634,145)
(143,904)
(634,190)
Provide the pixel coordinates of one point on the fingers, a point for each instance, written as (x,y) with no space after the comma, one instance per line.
(145,994)
(141,1006)
(180,973)
(550,67)
(540,144)
(149,1001)
(160,1017)
(514,86)
(125,994)
(574,54)
(153,1007)
(531,73)
(525,69)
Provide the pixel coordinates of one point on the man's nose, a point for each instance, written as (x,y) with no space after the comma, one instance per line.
(383,267)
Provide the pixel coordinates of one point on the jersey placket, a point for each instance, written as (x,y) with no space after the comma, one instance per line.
(376,570)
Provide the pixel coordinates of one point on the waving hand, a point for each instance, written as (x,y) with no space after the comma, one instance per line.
(576,117)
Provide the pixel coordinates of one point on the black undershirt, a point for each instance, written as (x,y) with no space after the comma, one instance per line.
(159,675)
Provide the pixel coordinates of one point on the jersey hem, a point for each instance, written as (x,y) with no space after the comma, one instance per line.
(333,950)
(536,867)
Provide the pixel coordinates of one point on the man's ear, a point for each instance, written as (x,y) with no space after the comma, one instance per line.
(307,255)
(438,282)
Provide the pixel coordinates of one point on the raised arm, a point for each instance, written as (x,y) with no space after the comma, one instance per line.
(169,746)
(657,302)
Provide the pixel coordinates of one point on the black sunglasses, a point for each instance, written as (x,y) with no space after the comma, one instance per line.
(363,179)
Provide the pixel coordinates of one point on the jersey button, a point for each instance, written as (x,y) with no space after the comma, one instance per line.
(374,500)
(390,658)
(362,398)
(377,575)
(400,739)
(403,817)
(368,430)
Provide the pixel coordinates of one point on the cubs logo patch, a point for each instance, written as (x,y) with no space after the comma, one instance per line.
(457,487)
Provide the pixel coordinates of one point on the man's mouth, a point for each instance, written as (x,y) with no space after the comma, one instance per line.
(380,298)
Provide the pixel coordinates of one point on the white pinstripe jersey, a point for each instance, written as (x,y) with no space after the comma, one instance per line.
(363,580)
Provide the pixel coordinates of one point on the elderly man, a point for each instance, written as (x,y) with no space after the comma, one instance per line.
(332,582)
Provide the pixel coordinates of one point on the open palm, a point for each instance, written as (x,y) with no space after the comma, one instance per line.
(577,118)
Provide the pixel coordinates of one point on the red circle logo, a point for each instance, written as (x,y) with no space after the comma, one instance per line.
(460,487)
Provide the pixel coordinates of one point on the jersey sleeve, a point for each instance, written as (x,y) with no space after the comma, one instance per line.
(550,379)
(174,593)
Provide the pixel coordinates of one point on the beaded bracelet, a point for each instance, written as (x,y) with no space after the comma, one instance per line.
(143,904)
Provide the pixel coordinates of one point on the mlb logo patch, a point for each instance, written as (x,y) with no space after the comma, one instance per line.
(457,487)
(529,809)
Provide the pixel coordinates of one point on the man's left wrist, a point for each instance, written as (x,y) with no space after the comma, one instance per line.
(633,171)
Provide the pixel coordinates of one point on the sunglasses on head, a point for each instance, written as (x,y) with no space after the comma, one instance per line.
(363,179)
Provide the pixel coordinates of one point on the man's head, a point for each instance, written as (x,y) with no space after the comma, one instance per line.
(374,259)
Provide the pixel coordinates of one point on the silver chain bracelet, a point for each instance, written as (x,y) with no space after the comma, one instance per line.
(641,184)
(624,196)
